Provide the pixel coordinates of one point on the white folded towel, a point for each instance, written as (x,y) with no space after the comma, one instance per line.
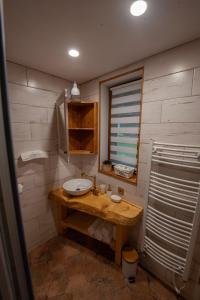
(34,154)
(102,231)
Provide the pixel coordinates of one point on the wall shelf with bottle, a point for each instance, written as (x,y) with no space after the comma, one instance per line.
(77,127)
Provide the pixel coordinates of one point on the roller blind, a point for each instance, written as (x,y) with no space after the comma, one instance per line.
(125,122)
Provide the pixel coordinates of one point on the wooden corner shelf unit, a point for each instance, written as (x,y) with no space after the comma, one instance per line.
(77,123)
(82,127)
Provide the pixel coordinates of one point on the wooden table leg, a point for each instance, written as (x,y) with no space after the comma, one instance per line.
(121,239)
(58,213)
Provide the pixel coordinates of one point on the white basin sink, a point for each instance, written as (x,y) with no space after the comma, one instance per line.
(77,187)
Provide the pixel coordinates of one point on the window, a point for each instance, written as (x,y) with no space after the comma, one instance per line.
(125,103)
(120,117)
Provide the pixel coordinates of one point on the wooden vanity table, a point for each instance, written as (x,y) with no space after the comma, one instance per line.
(87,208)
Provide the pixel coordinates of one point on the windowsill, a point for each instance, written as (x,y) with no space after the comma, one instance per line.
(132,180)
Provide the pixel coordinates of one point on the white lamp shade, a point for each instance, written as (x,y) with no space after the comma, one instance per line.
(75,90)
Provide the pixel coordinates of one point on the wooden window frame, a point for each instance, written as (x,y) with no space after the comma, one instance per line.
(109,121)
(133,180)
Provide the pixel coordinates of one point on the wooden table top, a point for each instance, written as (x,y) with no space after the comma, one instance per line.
(101,206)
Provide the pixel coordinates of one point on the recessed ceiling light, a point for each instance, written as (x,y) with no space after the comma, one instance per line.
(73,52)
(138,8)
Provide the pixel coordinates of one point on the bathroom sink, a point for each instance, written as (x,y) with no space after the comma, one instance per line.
(77,187)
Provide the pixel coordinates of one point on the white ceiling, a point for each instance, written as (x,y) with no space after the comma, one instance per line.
(39,33)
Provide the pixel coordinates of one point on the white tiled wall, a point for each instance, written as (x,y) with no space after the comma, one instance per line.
(171,113)
(32,96)
(167,87)
(196,80)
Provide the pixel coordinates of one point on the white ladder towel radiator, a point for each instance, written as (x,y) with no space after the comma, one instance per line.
(172,214)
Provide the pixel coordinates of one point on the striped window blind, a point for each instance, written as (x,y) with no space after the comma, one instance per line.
(125,122)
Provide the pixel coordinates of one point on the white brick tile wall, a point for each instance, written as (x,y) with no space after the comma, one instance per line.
(33,121)
(196,82)
(27,181)
(27,168)
(140,190)
(28,114)
(51,115)
(31,96)
(47,226)
(23,146)
(185,133)
(151,112)
(33,210)
(43,131)
(90,89)
(143,152)
(45,81)
(142,172)
(181,110)
(21,131)
(28,197)
(49,176)
(44,178)
(175,60)
(16,73)
(46,222)
(170,86)
(32,233)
